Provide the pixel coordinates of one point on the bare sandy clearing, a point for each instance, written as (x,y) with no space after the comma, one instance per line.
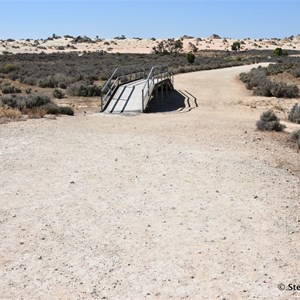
(192,204)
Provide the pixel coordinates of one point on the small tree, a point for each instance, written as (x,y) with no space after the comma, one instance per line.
(236,46)
(191,57)
(278,52)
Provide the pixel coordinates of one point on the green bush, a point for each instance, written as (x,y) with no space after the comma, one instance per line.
(294,114)
(278,52)
(269,122)
(236,46)
(191,57)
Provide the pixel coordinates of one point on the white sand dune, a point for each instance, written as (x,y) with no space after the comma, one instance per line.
(141,45)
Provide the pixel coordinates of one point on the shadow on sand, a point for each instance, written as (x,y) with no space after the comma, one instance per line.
(177,101)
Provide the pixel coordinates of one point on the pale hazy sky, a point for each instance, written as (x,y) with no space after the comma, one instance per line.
(145,18)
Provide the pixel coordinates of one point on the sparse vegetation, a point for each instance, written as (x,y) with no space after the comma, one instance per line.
(168,47)
(296,72)
(122,37)
(258,81)
(66,110)
(279,90)
(8,88)
(294,114)
(54,81)
(74,75)
(35,104)
(236,46)
(269,122)
(59,70)
(84,39)
(83,89)
(57,93)
(295,135)
(9,67)
(279,52)
(10,113)
(191,57)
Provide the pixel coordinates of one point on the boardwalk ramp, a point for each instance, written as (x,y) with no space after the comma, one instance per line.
(130,89)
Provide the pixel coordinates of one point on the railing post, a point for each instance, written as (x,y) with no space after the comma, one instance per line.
(167,91)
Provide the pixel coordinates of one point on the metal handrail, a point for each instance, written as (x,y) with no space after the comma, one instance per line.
(120,75)
(162,74)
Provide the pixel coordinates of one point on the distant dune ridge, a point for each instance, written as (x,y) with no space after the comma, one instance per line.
(122,44)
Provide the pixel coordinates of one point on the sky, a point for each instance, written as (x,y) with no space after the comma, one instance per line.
(149,18)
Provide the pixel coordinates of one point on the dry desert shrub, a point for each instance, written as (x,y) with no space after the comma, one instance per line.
(58,93)
(60,70)
(295,135)
(35,105)
(258,81)
(10,113)
(294,114)
(269,122)
(83,89)
(8,88)
(37,113)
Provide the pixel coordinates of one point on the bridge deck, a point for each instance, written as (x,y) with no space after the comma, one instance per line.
(129,89)
(128,97)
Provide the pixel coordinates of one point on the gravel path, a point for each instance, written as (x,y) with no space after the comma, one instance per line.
(193,204)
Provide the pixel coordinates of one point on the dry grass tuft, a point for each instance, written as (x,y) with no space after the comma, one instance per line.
(10,113)
(37,113)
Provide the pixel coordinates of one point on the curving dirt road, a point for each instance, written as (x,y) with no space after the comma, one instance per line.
(187,204)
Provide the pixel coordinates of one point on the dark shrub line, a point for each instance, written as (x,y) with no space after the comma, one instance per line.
(257,81)
(32,102)
(59,70)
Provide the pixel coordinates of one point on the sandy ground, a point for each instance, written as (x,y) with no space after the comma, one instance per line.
(131,45)
(188,204)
